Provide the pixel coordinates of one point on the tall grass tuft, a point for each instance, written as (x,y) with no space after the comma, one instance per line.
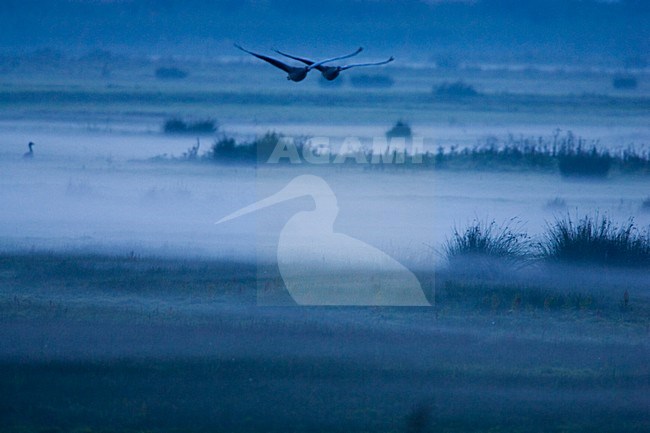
(596,240)
(487,245)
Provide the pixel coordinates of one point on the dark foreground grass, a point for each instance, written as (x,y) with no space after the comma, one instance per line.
(262,395)
(479,361)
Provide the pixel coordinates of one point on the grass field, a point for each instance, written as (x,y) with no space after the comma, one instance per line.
(124,308)
(361,107)
(101,343)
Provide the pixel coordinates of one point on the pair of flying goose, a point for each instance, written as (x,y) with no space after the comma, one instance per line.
(298,73)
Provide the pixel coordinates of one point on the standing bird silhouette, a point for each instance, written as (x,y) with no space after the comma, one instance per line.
(295,73)
(332,72)
(322,267)
(30,153)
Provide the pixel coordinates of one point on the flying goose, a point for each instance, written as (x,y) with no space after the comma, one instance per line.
(331,72)
(30,153)
(295,73)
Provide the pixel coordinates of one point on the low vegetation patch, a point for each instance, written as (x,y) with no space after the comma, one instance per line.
(512,154)
(625,82)
(400,129)
(572,156)
(456,89)
(227,150)
(170,74)
(179,126)
(575,160)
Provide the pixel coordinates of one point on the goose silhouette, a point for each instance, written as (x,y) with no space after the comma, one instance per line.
(295,73)
(322,267)
(30,153)
(332,72)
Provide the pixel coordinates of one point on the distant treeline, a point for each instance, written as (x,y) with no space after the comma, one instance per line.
(564,153)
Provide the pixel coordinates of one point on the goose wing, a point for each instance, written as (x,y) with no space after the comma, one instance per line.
(317,64)
(311,62)
(278,64)
(300,59)
(367,64)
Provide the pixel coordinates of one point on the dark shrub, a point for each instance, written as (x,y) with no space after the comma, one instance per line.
(170,74)
(264,146)
(178,126)
(372,81)
(259,150)
(400,129)
(174,126)
(584,162)
(625,82)
(596,241)
(455,90)
(631,160)
(226,149)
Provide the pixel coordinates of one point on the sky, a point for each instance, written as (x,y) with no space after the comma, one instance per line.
(550,31)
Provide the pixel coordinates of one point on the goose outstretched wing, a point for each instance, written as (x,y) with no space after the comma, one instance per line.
(322,62)
(278,64)
(367,64)
(311,62)
(300,59)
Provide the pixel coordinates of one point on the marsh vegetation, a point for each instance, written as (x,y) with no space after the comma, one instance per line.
(566,154)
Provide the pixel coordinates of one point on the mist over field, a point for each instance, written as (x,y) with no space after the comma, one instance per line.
(457,240)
